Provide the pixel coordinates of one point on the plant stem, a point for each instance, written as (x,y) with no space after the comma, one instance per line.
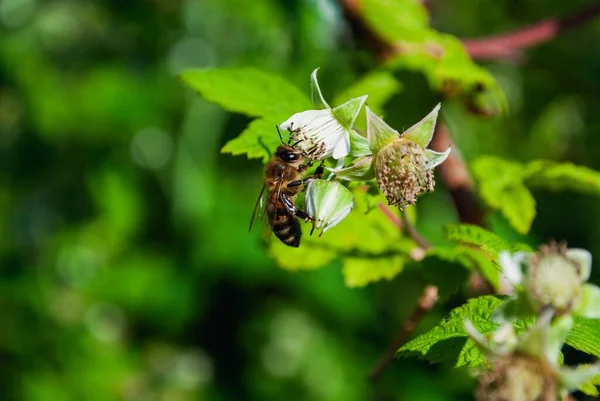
(426,302)
(412,231)
(510,44)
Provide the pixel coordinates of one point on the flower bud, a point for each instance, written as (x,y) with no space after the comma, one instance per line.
(328,203)
(403,166)
(403,172)
(517,378)
(554,278)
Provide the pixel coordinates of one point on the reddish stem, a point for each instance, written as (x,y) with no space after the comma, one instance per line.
(510,44)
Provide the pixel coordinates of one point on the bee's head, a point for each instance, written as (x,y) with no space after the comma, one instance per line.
(288,154)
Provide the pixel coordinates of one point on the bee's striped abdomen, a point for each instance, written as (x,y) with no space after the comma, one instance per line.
(287,227)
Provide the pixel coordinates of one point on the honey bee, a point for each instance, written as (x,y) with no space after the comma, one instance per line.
(283,182)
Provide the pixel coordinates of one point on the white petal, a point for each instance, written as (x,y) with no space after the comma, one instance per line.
(584,258)
(511,267)
(342,148)
(318,134)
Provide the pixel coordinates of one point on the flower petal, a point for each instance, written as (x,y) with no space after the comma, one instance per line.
(346,113)
(437,158)
(486,346)
(588,304)
(511,267)
(379,133)
(318,134)
(559,330)
(535,340)
(342,148)
(572,378)
(422,132)
(584,258)
(315,92)
(517,307)
(328,202)
(360,170)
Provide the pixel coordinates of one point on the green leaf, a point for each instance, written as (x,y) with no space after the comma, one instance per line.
(308,256)
(259,140)
(359,272)
(248,91)
(380,86)
(501,186)
(440,268)
(395,20)
(365,236)
(441,58)
(585,336)
(471,259)
(562,176)
(448,341)
(489,242)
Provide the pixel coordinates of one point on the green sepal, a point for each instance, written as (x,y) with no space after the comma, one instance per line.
(422,132)
(379,133)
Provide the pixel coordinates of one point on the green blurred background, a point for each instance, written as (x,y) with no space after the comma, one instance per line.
(126,269)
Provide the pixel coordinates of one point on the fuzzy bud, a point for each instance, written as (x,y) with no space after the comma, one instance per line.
(403,172)
(517,378)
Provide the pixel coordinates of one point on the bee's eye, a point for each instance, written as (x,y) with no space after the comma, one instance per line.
(288,157)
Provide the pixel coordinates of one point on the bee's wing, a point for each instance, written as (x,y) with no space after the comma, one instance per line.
(259,207)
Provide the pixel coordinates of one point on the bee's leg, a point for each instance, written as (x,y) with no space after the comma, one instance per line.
(316,176)
(292,209)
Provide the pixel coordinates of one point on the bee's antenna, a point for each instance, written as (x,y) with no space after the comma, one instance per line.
(279,132)
(296,143)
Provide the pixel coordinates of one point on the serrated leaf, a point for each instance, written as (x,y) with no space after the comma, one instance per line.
(248,91)
(306,257)
(448,341)
(395,20)
(561,176)
(444,273)
(585,336)
(380,86)
(471,259)
(501,186)
(365,235)
(489,242)
(258,141)
(359,272)
(440,57)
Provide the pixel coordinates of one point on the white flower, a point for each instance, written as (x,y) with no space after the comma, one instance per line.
(555,276)
(527,367)
(324,132)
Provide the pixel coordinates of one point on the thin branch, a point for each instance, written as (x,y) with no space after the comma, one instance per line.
(426,302)
(510,44)
(412,231)
(389,213)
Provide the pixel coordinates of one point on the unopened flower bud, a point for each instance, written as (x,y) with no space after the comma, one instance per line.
(403,165)
(403,172)
(517,378)
(328,203)
(554,278)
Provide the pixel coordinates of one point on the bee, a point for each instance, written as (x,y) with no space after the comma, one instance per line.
(283,182)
